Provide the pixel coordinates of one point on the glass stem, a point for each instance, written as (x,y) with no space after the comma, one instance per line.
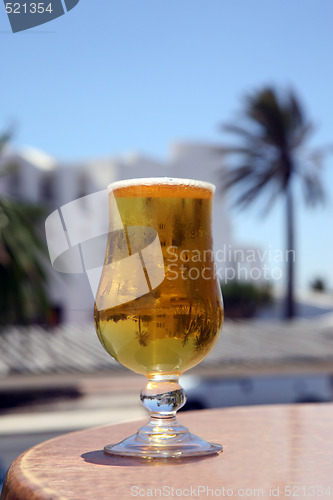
(162,397)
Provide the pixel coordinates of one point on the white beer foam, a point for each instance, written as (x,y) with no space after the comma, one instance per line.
(171,181)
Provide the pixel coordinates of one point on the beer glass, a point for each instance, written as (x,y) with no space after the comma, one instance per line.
(158,309)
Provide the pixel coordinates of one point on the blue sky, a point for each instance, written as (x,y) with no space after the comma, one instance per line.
(113,76)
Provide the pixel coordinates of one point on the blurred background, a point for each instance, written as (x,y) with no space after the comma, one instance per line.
(233,93)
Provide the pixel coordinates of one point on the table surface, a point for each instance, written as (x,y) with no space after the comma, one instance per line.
(269,451)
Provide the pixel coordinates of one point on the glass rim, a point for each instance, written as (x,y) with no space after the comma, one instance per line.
(165,181)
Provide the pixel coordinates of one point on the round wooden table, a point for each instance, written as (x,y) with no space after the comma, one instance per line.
(269,451)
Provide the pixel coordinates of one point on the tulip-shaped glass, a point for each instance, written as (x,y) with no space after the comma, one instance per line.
(158,309)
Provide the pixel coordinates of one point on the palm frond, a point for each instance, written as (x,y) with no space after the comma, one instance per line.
(4,139)
(231,177)
(295,111)
(264,109)
(313,189)
(252,192)
(301,135)
(241,131)
(270,138)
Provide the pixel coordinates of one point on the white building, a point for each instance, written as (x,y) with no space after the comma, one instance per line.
(39,178)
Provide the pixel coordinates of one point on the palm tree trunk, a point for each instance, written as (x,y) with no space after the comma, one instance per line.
(290,301)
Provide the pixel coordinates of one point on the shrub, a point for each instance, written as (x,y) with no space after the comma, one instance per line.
(243,299)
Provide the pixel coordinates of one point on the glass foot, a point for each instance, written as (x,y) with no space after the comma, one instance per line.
(163,437)
(163,442)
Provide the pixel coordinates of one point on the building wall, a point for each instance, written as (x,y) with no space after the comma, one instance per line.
(40,179)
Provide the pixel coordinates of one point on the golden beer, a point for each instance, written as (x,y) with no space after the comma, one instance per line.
(172,327)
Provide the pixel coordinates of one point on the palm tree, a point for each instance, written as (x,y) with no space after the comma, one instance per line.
(269,159)
(142,336)
(22,273)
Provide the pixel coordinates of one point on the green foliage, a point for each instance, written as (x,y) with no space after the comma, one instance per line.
(318,285)
(22,275)
(23,297)
(243,299)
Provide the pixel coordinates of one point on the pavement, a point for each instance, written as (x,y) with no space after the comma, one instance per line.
(101,401)
(97,401)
